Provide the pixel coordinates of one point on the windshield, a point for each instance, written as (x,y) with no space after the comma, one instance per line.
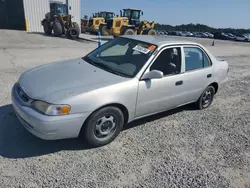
(110,15)
(121,56)
(58,9)
(136,15)
(127,13)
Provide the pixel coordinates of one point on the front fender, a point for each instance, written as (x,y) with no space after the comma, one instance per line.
(124,93)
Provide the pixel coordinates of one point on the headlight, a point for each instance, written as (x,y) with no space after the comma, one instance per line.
(51,109)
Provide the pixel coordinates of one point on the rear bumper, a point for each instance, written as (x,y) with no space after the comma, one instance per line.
(48,127)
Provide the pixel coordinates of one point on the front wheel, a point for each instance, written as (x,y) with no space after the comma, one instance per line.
(103,30)
(129,31)
(103,126)
(150,32)
(206,98)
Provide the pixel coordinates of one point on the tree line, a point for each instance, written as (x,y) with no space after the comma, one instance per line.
(199,28)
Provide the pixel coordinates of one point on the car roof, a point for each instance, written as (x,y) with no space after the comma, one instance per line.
(159,40)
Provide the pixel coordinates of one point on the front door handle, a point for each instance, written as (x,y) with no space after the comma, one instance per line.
(209,75)
(179,83)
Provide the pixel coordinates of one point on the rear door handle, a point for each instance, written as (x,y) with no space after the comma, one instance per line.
(179,83)
(209,75)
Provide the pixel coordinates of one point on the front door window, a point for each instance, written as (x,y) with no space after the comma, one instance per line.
(169,62)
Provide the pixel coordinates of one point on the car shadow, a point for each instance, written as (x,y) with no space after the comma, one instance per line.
(142,121)
(17,142)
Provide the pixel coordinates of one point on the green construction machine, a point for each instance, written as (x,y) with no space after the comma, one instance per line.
(59,22)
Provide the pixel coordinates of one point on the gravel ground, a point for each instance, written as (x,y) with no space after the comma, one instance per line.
(180,148)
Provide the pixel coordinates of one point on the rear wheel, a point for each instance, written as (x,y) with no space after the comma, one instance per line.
(103,126)
(46,27)
(57,29)
(206,98)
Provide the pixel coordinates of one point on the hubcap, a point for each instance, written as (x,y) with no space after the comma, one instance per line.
(105,126)
(207,98)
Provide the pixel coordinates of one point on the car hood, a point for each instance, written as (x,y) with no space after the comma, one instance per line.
(56,81)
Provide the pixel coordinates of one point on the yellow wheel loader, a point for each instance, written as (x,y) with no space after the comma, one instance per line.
(94,23)
(59,22)
(128,23)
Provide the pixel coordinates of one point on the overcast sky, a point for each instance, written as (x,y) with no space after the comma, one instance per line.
(215,13)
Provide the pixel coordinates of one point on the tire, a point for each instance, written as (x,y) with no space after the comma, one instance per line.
(57,29)
(74,32)
(129,31)
(93,135)
(103,30)
(246,40)
(77,28)
(83,30)
(204,102)
(46,27)
(151,32)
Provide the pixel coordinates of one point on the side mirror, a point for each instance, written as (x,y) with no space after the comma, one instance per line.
(154,74)
(142,13)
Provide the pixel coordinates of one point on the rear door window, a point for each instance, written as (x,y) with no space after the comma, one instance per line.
(195,58)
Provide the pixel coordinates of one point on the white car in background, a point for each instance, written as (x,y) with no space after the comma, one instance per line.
(241,37)
(210,35)
(186,34)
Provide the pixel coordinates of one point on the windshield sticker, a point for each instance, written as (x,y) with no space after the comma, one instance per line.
(152,47)
(141,49)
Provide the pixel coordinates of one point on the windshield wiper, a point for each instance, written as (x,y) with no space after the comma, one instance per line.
(105,67)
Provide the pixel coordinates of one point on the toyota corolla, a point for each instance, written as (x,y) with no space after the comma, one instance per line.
(127,78)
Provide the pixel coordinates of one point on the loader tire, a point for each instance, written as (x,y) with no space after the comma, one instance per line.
(150,32)
(73,33)
(103,30)
(83,30)
(129,32)
(46,27)
(77,27)
(57,29)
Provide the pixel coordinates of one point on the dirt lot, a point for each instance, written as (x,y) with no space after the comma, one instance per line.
(180,148)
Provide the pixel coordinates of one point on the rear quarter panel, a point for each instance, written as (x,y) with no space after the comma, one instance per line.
(219,69)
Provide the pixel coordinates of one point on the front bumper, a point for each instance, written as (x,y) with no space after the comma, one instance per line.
(47,127)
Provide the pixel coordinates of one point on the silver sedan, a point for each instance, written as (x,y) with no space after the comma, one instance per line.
(127,78)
